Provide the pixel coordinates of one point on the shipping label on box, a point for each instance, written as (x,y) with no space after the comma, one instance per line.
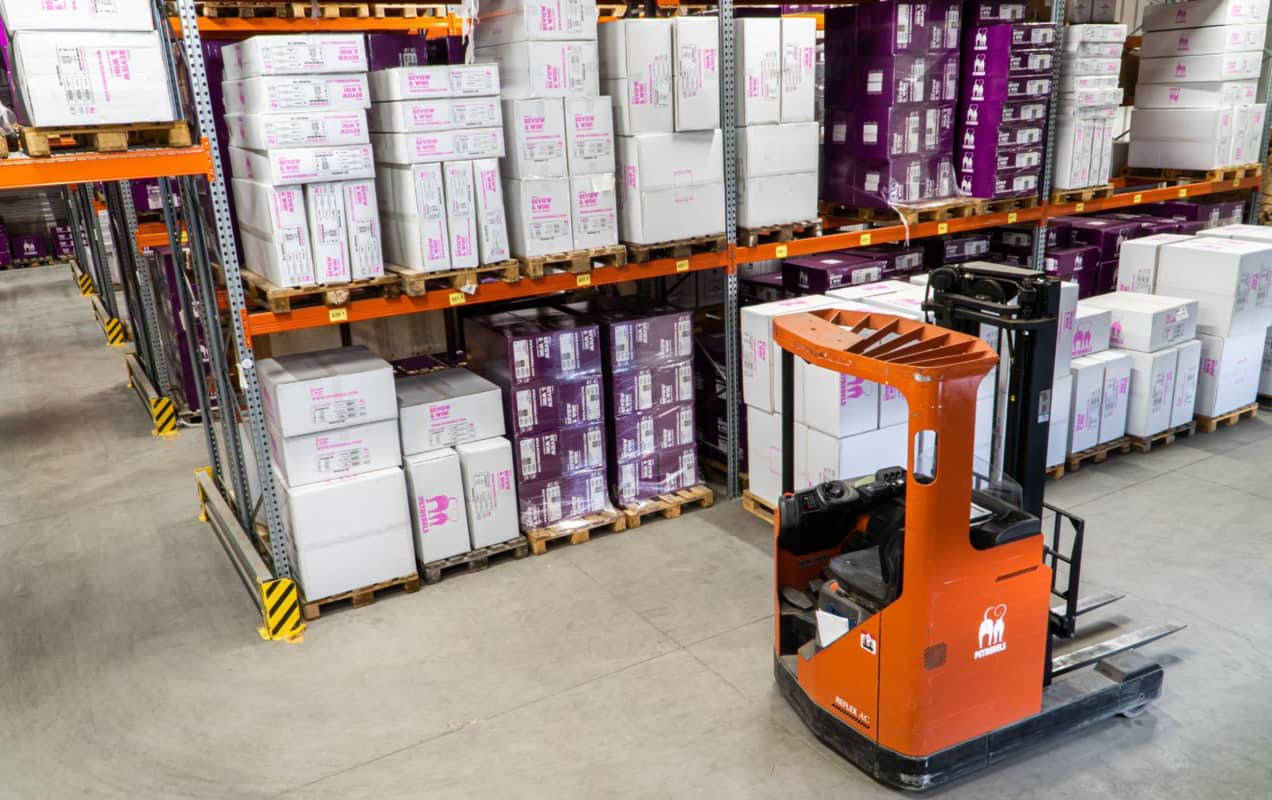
(435,488)
(534,132)
(492,221)
(303,54)
(1147,322)
(696,73)
(362,221)
(324,206)
(538,216)
(589,135)
(593,211)
(293,129)
(461,213)
(489,490)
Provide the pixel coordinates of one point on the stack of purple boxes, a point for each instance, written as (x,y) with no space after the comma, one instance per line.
(27,247)
(548,363)
(1198,215)
(891,86)
(648,362)
(63,241)
(1002,110)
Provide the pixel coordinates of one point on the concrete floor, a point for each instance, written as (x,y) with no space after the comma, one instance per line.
(637,665)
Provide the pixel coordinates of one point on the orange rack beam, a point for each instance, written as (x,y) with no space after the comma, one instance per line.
(21,172)
(1131,197)
(236,27)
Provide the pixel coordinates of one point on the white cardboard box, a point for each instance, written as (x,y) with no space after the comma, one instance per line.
(799,69)
(296,93)
(298,129)
(1230,370)
(833,403)
(1191,69)
(1088,394)
(1147,322)
(1208,154)
(830,458)
(1065,324)
(764,453)
(761,363)
(348,533)
(1137,262)
(589,135)
(362,222)
(91,77)
(311,392)
(672,186)
(416,116)
(1202,41)
(545,69)
(535,20)
(447,408)
(1201,13)
(1091,329)
(534,136)
(293,165)
(1149,404)
(492,221)
(1260,234)
(1200,125)
(777,199)
(696,73)
(424,83)
(36,15)
(328,236)
(452,145)
(489,491)
(538,216)
(1061,414)
(777,149)
(593,210)
(313,457)
(274,231)
(635,48)
(414,216)
(297,54)
(1184,394)
(1195,95)
(758,57)
(638,108)
(461,213)
(435,492)
(1224,276)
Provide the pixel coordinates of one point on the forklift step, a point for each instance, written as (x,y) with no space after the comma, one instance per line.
(1101,650)
(1090,602)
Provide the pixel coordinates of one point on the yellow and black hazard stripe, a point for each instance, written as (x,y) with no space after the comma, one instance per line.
(164,413)
(114,332)
(86,287)
(281,602)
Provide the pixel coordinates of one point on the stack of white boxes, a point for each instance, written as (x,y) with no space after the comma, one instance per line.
(1263,235)
(438,137)
(778,137)
(458,463)
(333,431)
(1198,81)
(300,158)
(1101,382)
(559,170)
(662,76)
(87,63)
(1087,105)
(1062,378)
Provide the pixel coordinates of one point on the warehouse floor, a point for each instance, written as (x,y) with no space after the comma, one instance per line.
(637,665)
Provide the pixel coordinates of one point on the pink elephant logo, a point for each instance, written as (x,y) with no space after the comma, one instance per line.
(435,511)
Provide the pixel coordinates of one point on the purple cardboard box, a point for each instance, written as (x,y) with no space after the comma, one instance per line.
(547,501)
(1000,159)
(1067,262)
(1231,212)
(638,337)
(389,50)
(991,115)
(643,434)
(992,12)
(1107,280)
(1016,35)
(874,183)
(890,132)
(1014,258)
(821,273)
(446,50)
(1190,227)
(146,197)
(878,28)
(516,350)
(1003,88)
(649,388)
(552,405)
(1149,225)
(898,259)
(668,471)
(984,63)
(1106,234)
(754,289)
(1007,134)
(955,249)
(1014,237)
(1059,233)
(63,242)
(1208,212)
(1003,183)
(554,453)
(24,247)
(942,79)
(878,81)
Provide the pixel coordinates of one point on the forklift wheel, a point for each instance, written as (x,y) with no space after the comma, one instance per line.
(1132,713)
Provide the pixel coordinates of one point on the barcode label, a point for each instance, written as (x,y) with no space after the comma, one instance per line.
(524,400)
(342,461)
(595,456)
(686,427)
(684,337)
(596,493)
(644,390)
(569,352)
(622,344)
(592,402)
(481,496)
(684,383)
(529,459)
(521,360)
(645,434)
(552,501)
(688,467)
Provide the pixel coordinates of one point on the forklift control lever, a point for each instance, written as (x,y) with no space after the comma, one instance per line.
(815,518)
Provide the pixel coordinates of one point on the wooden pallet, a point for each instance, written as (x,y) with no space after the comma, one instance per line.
(574,261)
(938,210)
(669,505)
(1056,472)
(1195,175)
(1010,204)
(245,10)
(1211,424)
(39,142)
(1098,454)
(577,531)
(681,248)
(758,507)
(1145,444)
(1082,195)
(23,263)
(808,229)
(415,282)
(312,609)
(279,299)
(475,560)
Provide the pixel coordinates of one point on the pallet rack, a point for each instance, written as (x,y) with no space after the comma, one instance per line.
(262,561)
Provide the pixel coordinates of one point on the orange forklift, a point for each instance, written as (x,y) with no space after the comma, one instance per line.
(914,607)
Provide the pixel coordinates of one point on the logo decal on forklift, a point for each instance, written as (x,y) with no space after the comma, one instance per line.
(989,638)
(869,644)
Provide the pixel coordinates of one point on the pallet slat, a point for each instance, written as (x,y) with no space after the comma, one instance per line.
(1145,444)
(1098,454)
(577,531)
(806,229)
(1211,424)
(574,261)
(938,210)
(680,248)
(1082,195)
(474,560)
(668,505)
(1231,173)
(40,142)
(757,506)
(365,596)
(415,282)
(278,299)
